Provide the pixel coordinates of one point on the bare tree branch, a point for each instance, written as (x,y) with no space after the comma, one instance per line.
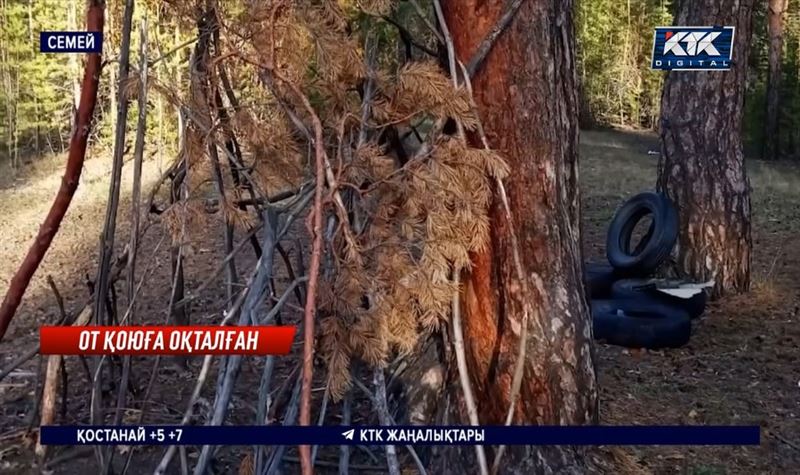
(110,225)
(133,244)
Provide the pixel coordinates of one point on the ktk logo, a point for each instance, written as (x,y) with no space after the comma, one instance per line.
(695,48)
(696,43)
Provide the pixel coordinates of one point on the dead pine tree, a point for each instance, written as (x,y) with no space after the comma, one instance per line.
(701,166)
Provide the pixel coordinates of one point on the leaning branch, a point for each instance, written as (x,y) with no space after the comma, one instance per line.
(467,73)
(487,43)
(519,367)
(69,183)
(315,228)
(458,334)
(314,225)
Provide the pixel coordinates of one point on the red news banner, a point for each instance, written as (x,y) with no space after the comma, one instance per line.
(164,340)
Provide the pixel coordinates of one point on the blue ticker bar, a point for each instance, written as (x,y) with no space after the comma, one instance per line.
(420,435)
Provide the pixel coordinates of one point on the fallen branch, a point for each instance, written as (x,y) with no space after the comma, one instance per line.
(424,17)
(262,409)
(231,276)
(179,193)
(54,361)
(59,300)
(49,392)
(154,371)
(198,387)
(79,452)
(783,439)
(406,37)
(341,209)
(309,315)
(19,361)
(476,60)
(77,152)
(138,156)
(55,364)
(266,376)
(172,172)
(201,76)
(169,53)
(82,318)
(458,334)
(321,419)
(37,395)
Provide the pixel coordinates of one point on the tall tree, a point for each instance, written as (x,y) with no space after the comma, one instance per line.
(775,20)
(702,165)
(526,93)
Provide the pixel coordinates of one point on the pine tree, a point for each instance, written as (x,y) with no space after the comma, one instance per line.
(529,78)
(702,162)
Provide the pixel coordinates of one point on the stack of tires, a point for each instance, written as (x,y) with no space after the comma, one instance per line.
(629,307)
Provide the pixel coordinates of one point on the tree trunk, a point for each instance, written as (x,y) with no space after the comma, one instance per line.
(74,67)
(36,118)
(10,99)
(177,80)
(112,72)
(775,15)
(702,165)
(527,98)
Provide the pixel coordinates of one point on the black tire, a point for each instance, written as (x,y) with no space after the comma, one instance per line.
(640,323)
(639,288)
(599,279)
(655,247)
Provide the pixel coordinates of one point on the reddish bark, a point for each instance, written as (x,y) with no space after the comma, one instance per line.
(527,98)
(69,183)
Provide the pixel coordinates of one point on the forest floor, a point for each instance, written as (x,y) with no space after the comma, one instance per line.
(739,368)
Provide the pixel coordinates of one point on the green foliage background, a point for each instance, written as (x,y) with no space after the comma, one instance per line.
(615,41)
(615,38)
(36,89)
